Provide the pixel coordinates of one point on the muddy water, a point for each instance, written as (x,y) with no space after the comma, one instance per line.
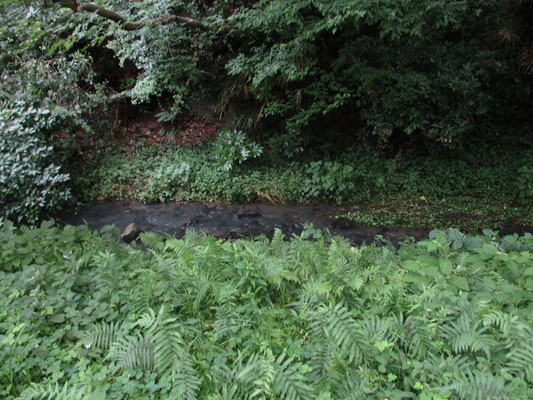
(231,221)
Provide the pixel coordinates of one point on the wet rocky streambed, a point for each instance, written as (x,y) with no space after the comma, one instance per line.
(233,221)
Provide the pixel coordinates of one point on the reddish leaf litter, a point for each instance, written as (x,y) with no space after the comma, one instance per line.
(185,131)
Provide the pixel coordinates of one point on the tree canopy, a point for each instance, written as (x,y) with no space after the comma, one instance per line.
(434,69)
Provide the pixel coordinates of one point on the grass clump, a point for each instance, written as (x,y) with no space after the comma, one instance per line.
(198,318)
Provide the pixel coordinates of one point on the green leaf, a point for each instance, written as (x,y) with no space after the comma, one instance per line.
(382,345)
(411,265)
(58,318)
(416,278)
(529,282)
(459,282)
(445,266)
(431,270)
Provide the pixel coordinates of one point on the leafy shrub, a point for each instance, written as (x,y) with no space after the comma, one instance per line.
(31,183)
(166,179)
(330,180)
(232,146)
(43,109)
(287,145)
(199,318)
(524,183)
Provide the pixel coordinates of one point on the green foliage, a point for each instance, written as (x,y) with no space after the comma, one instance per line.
(384,67)
(314,71)
(370,68)
(409,190)
(44,101)
(524,182)
(232,146)
(329,180)
(197,318)
(465,212)
(31,184)
(167,178)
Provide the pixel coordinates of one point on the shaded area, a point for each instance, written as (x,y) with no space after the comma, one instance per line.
(232,221)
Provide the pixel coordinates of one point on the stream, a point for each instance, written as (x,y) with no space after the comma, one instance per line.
(233,221)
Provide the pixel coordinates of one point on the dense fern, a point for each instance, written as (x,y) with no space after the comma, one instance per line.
(184,377)
(144,298)
(263,385)
(351,387)
(102,335)
(414,336)
(292,319)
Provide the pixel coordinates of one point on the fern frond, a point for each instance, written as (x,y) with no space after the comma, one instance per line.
(335,324)
(205,286)
(177,246)
(374,327)
(351,387)
(152,240)
(265,379)
(276,273)
(165,335)
(226,392)
(193,238)
(458,365)
(134,352)
(340,254)
(527,59)
(415,335)
(322,361)
(463,335)
(245,374)
(314,290)
(520,360)
(278,241)
(505,322)
(513,331)
(227,320)
(479,386)
(55,392)
(250,379)
(102,336)
(185,378)
(290,383)
(144,295)
(169,278)
(169,355)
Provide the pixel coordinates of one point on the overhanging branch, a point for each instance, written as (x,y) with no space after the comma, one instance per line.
(131,25)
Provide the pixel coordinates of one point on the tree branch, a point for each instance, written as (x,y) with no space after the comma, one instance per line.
(131,25)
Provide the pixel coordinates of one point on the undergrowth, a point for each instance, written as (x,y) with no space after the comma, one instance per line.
(84,317)
(467,213)
(453,190)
